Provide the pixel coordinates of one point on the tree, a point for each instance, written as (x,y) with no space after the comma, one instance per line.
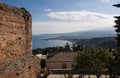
(37,51)
(115,65)
(67,47)
(77,47)
(74,47)
(117,30)
(93,61)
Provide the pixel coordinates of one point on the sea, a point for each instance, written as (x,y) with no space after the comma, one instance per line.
(39,41)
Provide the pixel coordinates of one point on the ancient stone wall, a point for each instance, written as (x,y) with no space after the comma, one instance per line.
(15,32)
(27,66)
(15,42)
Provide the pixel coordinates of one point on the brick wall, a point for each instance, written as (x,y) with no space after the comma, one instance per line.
(15,42)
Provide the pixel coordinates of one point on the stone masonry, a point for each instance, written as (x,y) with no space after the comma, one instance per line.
(16,59)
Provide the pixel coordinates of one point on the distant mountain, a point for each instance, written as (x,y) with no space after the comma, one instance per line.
(96,37)
(95,33)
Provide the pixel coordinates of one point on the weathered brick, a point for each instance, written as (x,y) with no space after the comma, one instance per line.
(16,59)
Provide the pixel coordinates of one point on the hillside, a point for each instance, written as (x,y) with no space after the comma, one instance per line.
(98,42)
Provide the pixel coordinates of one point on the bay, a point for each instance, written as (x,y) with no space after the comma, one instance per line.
(40,42)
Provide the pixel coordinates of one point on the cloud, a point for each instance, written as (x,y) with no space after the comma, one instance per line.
(74,21)
(79,16)
(63,27)
(105,0)
(47,10)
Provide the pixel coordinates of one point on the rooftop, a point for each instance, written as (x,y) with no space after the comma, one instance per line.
(63,56)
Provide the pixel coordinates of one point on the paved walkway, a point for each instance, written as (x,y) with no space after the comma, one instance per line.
(74,76)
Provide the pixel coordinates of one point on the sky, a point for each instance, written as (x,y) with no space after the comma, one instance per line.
(62,16)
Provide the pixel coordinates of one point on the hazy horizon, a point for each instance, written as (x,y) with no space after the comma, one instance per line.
(112,29)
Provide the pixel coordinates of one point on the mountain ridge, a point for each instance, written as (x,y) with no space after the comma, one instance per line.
(94,33)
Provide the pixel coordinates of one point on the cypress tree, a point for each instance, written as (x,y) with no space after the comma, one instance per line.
(116,61)
(117,30)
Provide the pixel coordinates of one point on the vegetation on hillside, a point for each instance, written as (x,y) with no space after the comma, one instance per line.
(93,61)
(50,50)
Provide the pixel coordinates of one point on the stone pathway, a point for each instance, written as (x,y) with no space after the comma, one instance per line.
(74,76)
